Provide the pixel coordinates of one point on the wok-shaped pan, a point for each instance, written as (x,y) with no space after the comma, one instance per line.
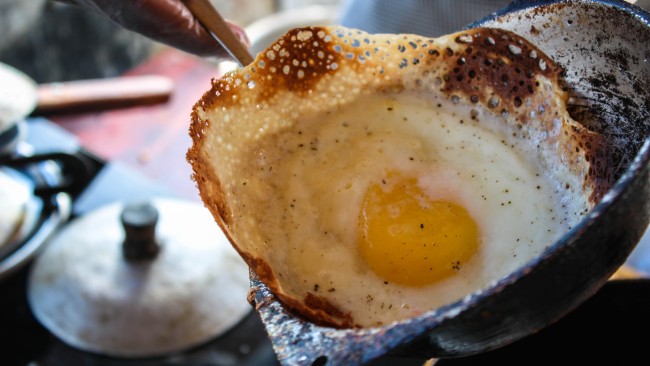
(605,50)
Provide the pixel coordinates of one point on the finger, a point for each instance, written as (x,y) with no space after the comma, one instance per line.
(166,21)
(170,22)
(240,33)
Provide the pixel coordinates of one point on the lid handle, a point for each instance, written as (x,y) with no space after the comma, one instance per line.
(139,221)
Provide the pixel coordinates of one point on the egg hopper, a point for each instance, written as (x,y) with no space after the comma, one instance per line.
(162,282)
(601,47)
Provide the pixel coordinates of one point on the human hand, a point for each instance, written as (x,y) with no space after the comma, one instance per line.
(166,21)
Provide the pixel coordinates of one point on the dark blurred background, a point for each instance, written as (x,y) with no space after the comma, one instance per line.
(50,42)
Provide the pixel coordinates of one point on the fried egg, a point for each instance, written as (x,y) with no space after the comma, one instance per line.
(369,179)
(393,206)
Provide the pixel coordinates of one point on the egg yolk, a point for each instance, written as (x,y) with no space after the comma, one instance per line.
(409,239)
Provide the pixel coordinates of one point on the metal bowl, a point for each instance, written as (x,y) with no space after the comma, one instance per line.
(602,45)
(44,214)
(51,179)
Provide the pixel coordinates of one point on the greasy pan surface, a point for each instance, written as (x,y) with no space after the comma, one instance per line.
(601,46)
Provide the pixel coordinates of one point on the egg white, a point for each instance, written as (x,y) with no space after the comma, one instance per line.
(320,168)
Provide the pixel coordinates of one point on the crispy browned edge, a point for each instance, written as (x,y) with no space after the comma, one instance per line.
(511,81)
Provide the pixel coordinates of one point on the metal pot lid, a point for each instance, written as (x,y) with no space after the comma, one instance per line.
(18,96)
(191,289)
(14,195)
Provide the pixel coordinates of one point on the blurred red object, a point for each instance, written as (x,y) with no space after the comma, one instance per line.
(152,139)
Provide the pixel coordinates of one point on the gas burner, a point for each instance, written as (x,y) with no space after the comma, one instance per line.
(10,137)
(24,338)
(38,191)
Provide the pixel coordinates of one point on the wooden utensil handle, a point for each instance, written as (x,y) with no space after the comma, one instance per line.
(215,24)
(96,94)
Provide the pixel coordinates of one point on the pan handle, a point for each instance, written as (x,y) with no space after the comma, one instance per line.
(76,171)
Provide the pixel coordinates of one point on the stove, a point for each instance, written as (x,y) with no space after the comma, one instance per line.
(605,325)
(23,341)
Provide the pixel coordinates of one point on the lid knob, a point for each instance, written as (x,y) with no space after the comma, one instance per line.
(139,221)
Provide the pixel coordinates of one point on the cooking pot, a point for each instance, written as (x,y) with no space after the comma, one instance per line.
(37,187)
(603,48)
